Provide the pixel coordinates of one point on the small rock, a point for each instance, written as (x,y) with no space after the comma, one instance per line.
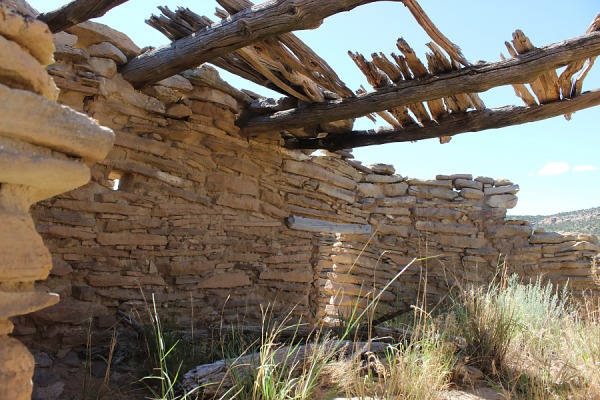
(43,378)
(382,169)
(42,360)
(71,359)
(107,50)
(51,392)
(178,111)
(103,66)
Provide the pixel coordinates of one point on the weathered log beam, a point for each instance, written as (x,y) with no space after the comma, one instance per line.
(259,22)
(76,12)
(477,78)
(321,226)
(474,121)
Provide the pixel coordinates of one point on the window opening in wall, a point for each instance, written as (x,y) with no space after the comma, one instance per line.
(115,178)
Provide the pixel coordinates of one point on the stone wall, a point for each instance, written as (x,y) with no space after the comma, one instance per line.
(45,149)
(200,217)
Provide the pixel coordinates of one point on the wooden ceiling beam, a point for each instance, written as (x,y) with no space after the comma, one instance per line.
(476,78)
(474,121)
(259,22)
(76,12)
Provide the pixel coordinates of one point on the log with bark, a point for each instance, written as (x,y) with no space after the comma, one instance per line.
(476,78)
(474,121)
(76,12)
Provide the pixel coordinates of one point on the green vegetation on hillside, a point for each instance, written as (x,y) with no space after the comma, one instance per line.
(580,221)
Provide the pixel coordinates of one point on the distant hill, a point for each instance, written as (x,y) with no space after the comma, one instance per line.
(581,221)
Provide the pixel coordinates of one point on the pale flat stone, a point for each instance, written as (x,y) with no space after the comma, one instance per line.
(21,303)
(89,33)
(395,189)
(20,70)
(508,231)
(369,190)
(473,194)
(29,33)
(375,178)
(551,238)
(164,94)
(214,96)
(485,180)
(225,281)
(502,201)
(178,111)
(19,263)
(454,177)
(64,129)
(433,183)
(107,50)
(382,169)
(119,89)
(177,82)
(467,183)
(65,39)
(428,192)
(510,189)
(16,370)
(103,66)
(502,182)
(51,176)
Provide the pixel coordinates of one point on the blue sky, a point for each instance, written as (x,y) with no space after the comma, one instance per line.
(555,162)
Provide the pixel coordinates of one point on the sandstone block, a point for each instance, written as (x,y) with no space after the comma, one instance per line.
(507,231)
(89,33)
(474,194)
(13,304)
(65,39)
(382,169)
(163,93)
(70,311)
(454,177)
(348,196)
(485,180)
(402,201)
(467,183)
(434,183)
(458,229)
(303,276)
(395,189)
(20,70)
(177,82)
(49,175)
(502,182)
(139,239)
(375,178)
(16,370)
(19,263)
(502,201)
(65,130)
(117,89)
(29,33)
(369,190)
(462,242)
(107,50)
(239,202)
(551,238)
(225,281)
(241,165)
(232,184)
(177,111)
(103,66)
(510,189)
(214,96)
(425,192)
(312,171)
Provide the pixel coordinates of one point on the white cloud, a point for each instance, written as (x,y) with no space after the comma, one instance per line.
(554,168)
(579,168)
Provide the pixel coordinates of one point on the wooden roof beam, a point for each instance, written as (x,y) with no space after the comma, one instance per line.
(76,12)
(259,22)
(476,78)
(474,121)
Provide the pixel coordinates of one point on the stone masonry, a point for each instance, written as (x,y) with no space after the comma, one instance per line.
(45,150)
(186,209)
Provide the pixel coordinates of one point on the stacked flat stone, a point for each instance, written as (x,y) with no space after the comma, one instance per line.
(45,149)
(199,218)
